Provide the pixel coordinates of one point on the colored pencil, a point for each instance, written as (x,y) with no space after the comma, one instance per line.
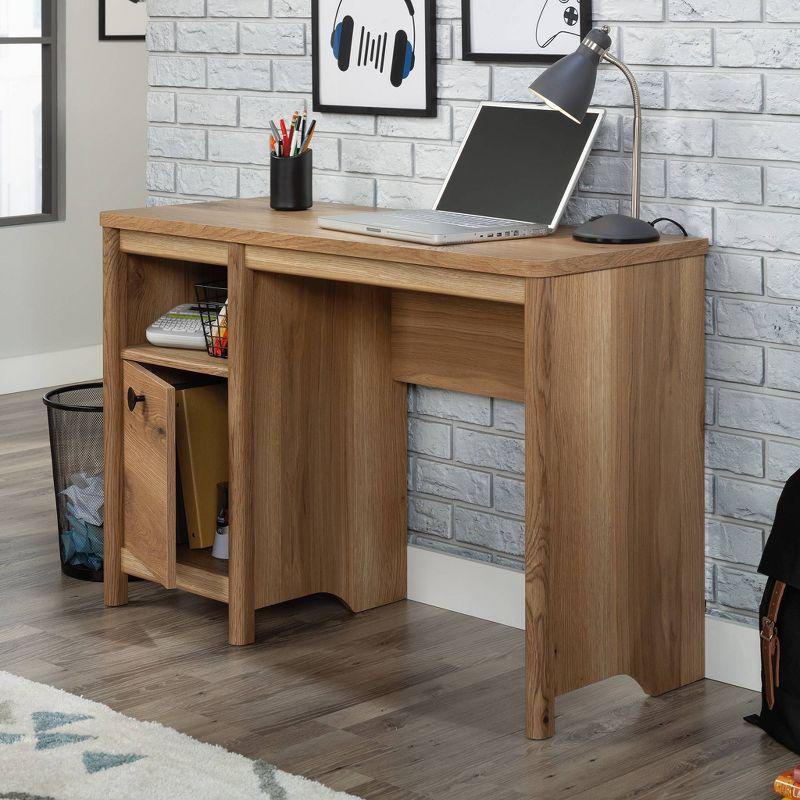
(309,137)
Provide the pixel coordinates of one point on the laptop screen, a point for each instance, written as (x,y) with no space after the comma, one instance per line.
(517,163)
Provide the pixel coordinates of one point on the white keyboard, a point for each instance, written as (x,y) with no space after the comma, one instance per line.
(180,327)
(455,218)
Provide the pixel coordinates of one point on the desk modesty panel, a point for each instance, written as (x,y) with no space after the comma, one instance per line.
(604,344)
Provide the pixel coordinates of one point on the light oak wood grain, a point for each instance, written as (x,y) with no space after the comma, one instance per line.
(372,272)
(465,345)
(196,571)
(115,282)
(242,327)
(540,513)
(202,251)
(175,358)
(329,447)
(252,222)
(614,501)
(155,285)
(148,466)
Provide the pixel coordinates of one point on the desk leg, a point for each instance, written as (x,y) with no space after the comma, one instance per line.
(329,443)
(614,481)
(241,592)
(115,582)
(539,688)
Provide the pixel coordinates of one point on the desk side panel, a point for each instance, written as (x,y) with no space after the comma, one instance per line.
(329,482)
(614,476)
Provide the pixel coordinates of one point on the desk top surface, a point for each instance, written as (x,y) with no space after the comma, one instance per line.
(252,222)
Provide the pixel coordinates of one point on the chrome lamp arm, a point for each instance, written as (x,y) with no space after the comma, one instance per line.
(636,166)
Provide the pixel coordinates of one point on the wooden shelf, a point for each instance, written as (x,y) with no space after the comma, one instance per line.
(201,559)
(189,360)
(197,571)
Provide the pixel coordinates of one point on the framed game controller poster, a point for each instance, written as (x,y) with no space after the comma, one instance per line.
(374,57)
(523,30)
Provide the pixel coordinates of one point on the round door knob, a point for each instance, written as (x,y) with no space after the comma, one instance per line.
(134,398)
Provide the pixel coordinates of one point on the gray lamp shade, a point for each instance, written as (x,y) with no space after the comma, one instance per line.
(569,84)
(568,87)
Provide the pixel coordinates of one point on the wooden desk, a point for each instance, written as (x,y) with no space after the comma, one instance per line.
(604,344)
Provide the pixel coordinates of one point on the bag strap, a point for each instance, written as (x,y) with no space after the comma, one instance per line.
(771,645)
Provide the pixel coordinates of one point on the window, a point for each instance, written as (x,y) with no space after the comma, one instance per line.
(29,190)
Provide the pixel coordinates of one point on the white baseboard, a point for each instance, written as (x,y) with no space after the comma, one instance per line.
(732,654)
(497,594)
(469,587)
(37,371)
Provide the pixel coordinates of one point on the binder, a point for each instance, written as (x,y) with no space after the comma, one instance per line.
(201,434)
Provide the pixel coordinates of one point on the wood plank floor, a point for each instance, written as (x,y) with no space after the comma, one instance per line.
(405,702)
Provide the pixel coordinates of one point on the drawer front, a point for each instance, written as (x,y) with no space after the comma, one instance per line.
(149,470)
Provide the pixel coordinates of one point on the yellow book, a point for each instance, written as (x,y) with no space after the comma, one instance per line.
(201,433)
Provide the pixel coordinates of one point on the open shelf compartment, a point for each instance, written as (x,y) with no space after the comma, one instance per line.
(154,286)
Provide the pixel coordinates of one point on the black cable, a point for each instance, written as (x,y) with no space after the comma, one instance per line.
(667,219)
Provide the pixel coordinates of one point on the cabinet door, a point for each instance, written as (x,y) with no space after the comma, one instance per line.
(149,468)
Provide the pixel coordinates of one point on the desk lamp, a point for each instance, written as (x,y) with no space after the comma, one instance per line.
(568,87)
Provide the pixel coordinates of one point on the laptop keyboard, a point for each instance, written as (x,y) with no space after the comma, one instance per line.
(454,218)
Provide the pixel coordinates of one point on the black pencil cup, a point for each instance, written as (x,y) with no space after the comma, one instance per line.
(290,182)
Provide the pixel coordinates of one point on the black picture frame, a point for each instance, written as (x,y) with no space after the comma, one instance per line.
(430,110)
(104,37)
(468,54)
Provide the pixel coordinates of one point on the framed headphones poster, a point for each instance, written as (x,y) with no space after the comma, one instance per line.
(523,30)
(374,57)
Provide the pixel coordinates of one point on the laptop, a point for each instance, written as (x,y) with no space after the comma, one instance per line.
(514,173)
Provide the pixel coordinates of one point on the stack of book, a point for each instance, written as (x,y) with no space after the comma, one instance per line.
(787,784)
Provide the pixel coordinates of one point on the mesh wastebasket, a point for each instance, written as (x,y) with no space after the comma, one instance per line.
(75,418)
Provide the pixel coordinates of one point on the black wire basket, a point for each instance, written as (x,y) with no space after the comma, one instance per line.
(75,420)
(212,300)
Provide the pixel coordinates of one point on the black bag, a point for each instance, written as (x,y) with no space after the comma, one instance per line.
(780,623)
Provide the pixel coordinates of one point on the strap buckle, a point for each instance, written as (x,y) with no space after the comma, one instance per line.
(767,629)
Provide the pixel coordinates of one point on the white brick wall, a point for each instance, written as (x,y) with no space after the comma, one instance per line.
(720,80)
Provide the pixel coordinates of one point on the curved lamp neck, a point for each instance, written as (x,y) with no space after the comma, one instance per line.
(636,167)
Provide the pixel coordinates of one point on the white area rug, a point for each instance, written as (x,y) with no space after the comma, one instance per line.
(56,746)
